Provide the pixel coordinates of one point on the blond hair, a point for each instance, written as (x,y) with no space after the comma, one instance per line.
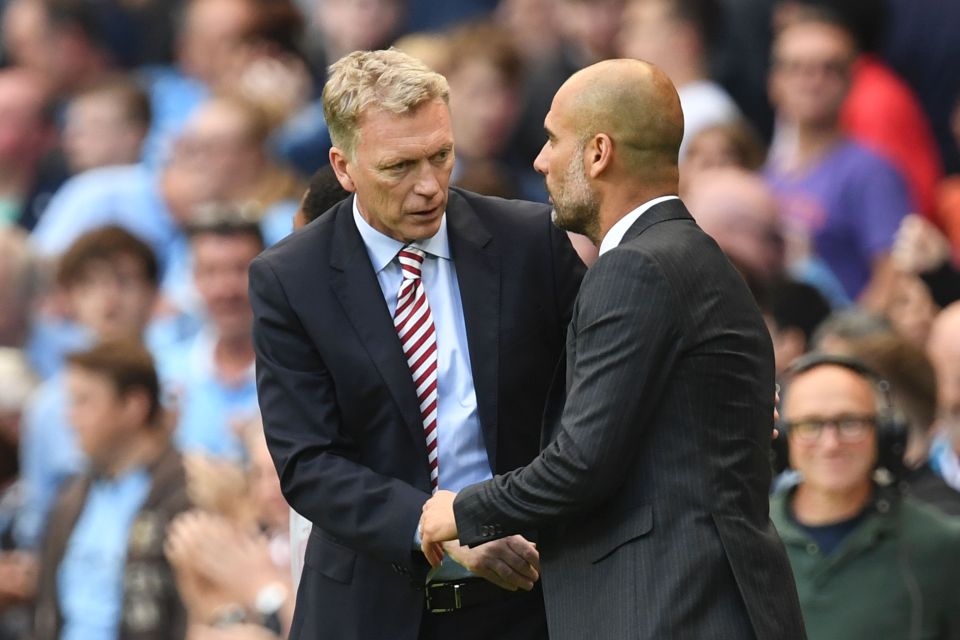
(389,80)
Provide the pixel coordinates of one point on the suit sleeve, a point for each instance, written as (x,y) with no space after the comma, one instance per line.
(627,341)
(316,459)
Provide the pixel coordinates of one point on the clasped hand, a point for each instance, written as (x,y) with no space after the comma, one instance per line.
(437,524)
(511,563)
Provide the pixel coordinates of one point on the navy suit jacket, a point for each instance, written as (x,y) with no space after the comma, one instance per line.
(339,406)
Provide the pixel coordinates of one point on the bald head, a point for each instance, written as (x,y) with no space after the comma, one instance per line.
(613,135)
(633,102)
(736,208)
(732,188)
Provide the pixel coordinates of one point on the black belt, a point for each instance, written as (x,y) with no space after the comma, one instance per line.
(443,597)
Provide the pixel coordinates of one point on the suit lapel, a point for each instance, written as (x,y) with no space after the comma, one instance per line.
(477,266)
(556,396)
(356,287)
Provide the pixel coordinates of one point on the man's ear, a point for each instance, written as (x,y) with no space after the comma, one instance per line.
(339,162)
(136,404)
(599,155)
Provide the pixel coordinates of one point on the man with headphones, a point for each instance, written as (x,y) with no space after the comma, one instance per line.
(869,562)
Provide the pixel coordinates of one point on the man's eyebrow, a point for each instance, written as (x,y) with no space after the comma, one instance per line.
(392,161)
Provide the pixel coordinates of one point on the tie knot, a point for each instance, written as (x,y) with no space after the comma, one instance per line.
(411,259)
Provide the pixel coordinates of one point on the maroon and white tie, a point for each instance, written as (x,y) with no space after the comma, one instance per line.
(414,324)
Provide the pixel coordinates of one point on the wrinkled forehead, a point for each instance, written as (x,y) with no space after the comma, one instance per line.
(427,125)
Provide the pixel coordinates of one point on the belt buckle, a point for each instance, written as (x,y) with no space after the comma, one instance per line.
(457,603)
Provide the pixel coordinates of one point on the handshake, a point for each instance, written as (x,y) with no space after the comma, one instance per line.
(510,563)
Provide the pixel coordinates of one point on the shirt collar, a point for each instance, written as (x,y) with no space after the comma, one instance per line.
(382,249)
(618,230)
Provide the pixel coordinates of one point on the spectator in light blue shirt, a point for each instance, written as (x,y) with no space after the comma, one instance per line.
(110,279)
(209,40)
(105,124)
(124,195)
(173,97)
(104,131)
(221,159)
(103,573)
(211,377)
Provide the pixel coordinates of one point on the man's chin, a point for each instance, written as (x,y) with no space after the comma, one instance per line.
(568,222)
(425,228)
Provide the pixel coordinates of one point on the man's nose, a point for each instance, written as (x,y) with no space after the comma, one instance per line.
(830,436)
(428,183)
(540,163)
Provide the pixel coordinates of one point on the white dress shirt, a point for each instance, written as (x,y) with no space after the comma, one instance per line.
(617,231)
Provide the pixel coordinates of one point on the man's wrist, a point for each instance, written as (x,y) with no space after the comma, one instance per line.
(227,615)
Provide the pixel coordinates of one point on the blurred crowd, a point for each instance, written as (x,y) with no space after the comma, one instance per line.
(150,149)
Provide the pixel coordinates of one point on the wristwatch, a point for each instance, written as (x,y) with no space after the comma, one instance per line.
(228,615)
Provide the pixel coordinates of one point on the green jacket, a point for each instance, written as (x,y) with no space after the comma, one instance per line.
(895,577)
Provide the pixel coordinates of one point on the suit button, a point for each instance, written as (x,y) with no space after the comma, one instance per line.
(396,568)
(812,549)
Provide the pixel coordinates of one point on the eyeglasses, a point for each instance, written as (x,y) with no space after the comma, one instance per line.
(849,428)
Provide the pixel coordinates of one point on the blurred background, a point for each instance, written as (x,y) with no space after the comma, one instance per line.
(150,149)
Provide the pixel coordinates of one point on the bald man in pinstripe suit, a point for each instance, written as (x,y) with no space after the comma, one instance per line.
(650,495)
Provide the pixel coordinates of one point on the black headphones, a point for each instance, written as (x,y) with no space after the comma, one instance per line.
(891,430)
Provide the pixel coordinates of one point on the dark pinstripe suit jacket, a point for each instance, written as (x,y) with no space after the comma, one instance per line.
(651,497)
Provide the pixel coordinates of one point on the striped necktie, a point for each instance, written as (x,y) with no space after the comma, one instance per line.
(414,324)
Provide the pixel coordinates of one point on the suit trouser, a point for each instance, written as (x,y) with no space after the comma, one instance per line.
(519,617)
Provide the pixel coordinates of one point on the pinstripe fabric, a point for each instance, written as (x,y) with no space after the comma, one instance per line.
(651,496)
